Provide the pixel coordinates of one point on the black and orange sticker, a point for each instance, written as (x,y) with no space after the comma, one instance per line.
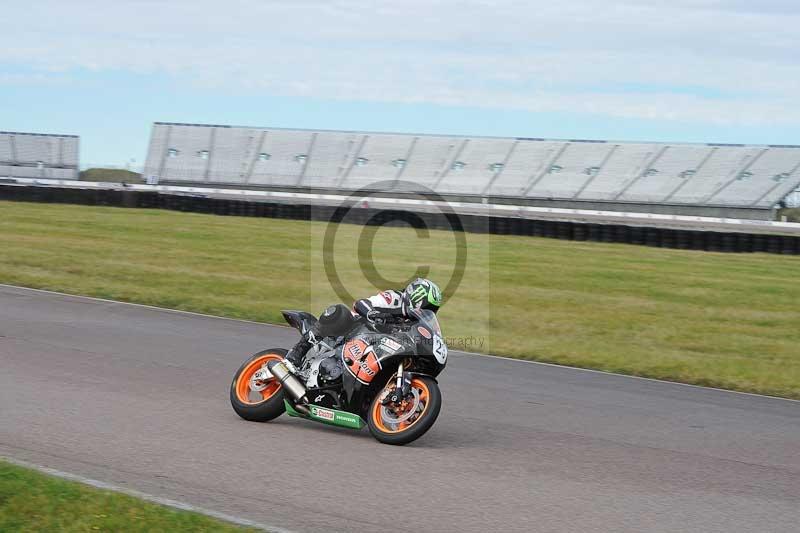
(364,364)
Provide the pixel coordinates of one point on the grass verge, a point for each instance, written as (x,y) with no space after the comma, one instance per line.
(113,175)
(791,214)
(32,501)
(722,320)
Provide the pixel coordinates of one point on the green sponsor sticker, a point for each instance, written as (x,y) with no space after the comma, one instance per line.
(329,416)
(322,413)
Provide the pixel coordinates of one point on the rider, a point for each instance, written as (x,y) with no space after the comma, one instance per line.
(419,294)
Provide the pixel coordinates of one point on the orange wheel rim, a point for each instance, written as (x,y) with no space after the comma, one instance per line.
(244,391)
(424,396)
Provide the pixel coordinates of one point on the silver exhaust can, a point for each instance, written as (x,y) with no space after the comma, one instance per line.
(288,381)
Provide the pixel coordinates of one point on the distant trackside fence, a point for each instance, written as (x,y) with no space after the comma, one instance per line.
(628,232)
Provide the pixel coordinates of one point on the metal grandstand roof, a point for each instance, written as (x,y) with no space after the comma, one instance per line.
(38,134)
(461,136)
(577,170)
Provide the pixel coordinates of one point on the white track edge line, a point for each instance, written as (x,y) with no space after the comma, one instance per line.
(182,506)
(556,365)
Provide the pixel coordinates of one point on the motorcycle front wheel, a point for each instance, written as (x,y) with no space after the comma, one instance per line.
(408,421)
(257,401)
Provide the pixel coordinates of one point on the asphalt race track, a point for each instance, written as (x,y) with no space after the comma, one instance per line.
(138,397)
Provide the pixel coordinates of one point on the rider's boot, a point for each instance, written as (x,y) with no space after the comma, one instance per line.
(308,338)
(298,352)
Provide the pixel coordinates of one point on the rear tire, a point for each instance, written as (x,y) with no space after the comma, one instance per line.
(270,404)
(379,417)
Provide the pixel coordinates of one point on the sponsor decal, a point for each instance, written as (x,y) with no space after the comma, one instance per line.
(389,345)
(330,416)
(366,369)
(348,420)
(424,332)
(387,297)
(319,398)
(356,348)
(364,364)
(325,414)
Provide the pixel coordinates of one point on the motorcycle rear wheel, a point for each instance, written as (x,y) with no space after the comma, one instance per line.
(257,401)
(403,425)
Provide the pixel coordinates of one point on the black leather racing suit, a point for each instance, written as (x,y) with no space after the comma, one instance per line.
(384,304)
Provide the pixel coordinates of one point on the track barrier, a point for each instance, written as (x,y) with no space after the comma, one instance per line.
(685,239)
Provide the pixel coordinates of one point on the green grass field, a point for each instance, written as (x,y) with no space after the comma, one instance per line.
(114,175)
(792,215)
(724,320)
(31,501)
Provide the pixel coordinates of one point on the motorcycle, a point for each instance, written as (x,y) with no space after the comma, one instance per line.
(358,372)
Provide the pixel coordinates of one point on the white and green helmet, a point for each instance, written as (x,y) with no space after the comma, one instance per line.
(423,294)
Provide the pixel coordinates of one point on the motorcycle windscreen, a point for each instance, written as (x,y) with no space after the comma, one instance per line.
(427,317)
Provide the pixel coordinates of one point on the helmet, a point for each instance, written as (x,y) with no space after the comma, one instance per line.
(422,294)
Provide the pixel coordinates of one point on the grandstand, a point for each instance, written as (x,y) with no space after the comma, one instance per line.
(38,155)
(793,199)
(722,180)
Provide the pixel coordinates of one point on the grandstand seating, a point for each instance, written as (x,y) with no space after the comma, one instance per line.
(379,158)
(602,174)
(625,163)
(479,174)
(38,155)
(528,162)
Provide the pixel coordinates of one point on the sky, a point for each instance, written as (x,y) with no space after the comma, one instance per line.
(649,70)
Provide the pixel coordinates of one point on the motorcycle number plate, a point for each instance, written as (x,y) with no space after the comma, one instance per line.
(439,349)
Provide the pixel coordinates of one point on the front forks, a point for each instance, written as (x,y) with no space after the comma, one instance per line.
(402,387)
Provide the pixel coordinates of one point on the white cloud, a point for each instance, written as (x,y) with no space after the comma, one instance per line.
(714,61)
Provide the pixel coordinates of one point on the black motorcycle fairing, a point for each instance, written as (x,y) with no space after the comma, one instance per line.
(382,347)
(420,339)
(382,352)
(327,396)
(423,327)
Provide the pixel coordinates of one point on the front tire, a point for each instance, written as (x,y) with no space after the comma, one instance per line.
(400,425)
(257,401)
